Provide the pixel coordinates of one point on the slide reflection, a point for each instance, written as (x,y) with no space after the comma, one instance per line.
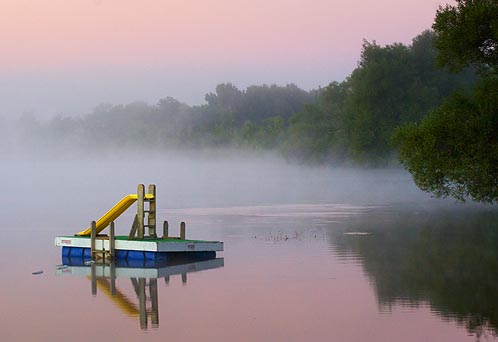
(143,276)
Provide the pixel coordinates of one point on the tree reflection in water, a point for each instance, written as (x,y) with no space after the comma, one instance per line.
(441,258)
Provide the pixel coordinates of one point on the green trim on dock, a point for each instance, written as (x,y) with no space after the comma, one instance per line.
(146,239)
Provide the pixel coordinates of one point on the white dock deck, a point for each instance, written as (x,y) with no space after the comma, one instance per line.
(152,245)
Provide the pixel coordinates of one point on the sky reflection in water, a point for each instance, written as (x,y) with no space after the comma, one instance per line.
(289,272)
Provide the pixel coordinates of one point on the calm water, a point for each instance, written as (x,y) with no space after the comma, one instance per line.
(310,255)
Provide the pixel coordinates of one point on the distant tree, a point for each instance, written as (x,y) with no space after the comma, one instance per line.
(454,151)
(256,117)
(355,119)
(391,86)
(172,122)
(271,132)
(247,134)
(263,102)
(223,131)
(381,87)
(227,96)
(317,132)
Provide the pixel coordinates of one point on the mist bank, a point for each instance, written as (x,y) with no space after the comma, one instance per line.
(84,188)
(346,123)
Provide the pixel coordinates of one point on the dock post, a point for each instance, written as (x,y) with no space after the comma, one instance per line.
(182,231)
(93,236)
(112,242)
(151,219)
(140,210)
(165,229)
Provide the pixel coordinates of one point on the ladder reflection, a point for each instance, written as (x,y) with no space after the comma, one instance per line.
(143,275)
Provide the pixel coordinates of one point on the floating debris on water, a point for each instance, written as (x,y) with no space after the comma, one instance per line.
(89,262)
(357,233)
(37,272)
(61,267)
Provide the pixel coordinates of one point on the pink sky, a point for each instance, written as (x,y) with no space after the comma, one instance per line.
(68,56)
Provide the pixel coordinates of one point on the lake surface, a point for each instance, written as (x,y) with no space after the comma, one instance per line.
(311,254)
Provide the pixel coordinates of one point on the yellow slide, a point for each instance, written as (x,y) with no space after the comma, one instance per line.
(113,213)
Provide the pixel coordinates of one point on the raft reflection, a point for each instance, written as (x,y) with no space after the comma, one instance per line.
(143,275)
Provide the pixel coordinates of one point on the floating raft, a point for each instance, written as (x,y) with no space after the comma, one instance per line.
(91,243)
(80,247)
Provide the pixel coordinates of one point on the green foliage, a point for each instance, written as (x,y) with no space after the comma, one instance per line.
(392,85)
(257,103)
(454,151)
(223,131)
(380,86)
(354,120)
(317,132)
(256,117)
(467,34)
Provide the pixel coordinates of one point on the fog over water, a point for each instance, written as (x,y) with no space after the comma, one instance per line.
(313,244)
(83,185)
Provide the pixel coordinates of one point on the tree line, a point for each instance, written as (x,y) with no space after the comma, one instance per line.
(256,117)
(347,122)
(431,105)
